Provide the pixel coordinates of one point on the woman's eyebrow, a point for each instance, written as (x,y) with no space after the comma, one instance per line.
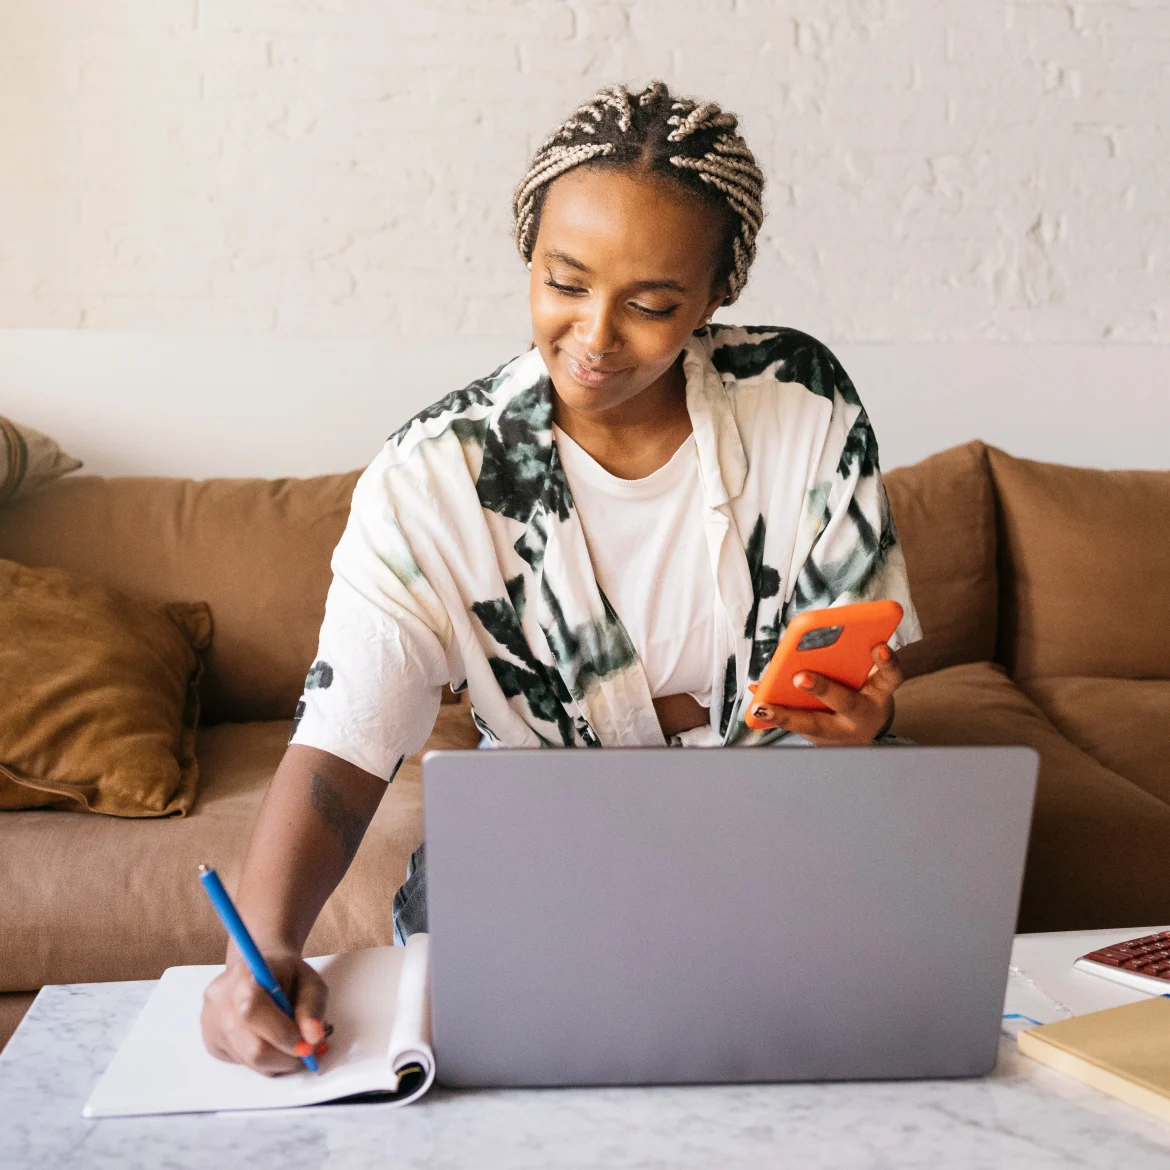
(672,285)
(565,258)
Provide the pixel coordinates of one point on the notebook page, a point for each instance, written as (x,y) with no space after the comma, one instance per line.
(410,1038)
(163,1066)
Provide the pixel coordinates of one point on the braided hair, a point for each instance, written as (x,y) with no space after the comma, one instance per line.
(696,144)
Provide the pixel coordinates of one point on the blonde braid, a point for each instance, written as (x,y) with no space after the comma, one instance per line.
(730,167)
(557,160)
(706,116)
(709,155)
(653,93)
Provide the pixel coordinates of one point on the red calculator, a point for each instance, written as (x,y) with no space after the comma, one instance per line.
(1141,963)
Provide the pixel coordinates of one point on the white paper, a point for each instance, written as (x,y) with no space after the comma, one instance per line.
(1048,960)
(1027,1004)
(163,1066)
(410,1037)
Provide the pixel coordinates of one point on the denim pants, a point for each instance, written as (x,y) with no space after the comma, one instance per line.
(410,903)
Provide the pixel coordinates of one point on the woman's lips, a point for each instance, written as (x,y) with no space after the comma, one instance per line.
(589,375)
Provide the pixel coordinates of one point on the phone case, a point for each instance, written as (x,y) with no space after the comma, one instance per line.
(837,643)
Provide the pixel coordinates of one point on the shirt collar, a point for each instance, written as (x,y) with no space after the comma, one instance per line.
(722,459)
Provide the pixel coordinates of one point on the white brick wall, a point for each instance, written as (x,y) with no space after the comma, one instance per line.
(940,169)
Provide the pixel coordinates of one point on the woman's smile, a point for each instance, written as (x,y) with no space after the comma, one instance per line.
(588,375)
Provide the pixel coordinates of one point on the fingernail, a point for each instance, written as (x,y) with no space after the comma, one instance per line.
(884,653)
(303,1048)
(315,1030)
(804,681)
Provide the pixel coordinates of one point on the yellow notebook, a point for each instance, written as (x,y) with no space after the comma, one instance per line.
(1124,1052)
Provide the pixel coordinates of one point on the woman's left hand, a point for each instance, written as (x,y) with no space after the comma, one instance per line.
(854,716)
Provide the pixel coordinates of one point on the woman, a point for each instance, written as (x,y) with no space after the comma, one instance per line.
(601,541)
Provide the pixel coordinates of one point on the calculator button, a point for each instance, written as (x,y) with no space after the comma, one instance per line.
(1148,955)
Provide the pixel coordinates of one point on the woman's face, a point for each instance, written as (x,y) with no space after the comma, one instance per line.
(622,269)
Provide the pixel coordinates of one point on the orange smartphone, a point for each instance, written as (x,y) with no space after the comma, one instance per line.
(837,643)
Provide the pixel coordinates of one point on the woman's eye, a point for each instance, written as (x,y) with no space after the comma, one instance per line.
(572,290)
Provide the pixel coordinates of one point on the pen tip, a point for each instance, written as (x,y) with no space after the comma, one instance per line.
(202,868)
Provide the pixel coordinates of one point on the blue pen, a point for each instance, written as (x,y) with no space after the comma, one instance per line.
(234,924)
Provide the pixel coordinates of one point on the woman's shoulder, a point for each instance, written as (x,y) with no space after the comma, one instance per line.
(470,410)
(746,354)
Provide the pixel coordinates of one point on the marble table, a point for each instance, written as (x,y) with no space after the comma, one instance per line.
(1023,1115)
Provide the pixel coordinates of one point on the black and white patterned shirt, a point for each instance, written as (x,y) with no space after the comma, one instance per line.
(464,560)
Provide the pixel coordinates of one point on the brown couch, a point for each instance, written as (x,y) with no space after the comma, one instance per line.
(1044,592)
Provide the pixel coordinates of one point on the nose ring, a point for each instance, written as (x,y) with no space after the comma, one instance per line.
(593,357)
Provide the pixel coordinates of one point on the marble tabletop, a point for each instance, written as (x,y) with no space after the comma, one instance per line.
(1023,1115)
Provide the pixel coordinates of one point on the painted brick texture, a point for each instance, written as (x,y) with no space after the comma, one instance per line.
(939,169)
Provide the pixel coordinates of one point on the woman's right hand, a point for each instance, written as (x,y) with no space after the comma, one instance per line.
(242,1024)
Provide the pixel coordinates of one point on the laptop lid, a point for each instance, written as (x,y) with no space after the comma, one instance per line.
(641,916)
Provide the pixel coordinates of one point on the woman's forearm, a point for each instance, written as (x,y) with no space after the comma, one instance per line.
(310,824)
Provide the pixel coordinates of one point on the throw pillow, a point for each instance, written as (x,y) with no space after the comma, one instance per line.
(1086,570)
(28,459)
(98,696)
(944,509)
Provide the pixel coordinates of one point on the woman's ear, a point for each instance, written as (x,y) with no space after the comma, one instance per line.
(718,296)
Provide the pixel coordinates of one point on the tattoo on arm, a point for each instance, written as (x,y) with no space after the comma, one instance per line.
(341,820)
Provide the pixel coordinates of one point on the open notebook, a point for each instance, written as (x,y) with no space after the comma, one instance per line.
(381,1044)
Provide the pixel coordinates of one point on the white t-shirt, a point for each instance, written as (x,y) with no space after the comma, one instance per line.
(648,545)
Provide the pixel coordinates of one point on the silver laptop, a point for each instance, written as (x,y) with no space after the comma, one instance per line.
(656,916)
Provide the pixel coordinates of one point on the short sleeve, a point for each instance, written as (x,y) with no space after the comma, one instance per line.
(854,554)
(373,693)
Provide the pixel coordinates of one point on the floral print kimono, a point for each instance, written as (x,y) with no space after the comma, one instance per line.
(464,562)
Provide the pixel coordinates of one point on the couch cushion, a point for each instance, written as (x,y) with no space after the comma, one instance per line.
(99,696)
(147,911)
(1099,843)
(944,510)
(1124,723)
(1086,564)
(257,551)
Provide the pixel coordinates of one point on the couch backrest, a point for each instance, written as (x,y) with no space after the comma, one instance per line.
(944,510)
(1084,558)
(1085,568)
(257,551)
